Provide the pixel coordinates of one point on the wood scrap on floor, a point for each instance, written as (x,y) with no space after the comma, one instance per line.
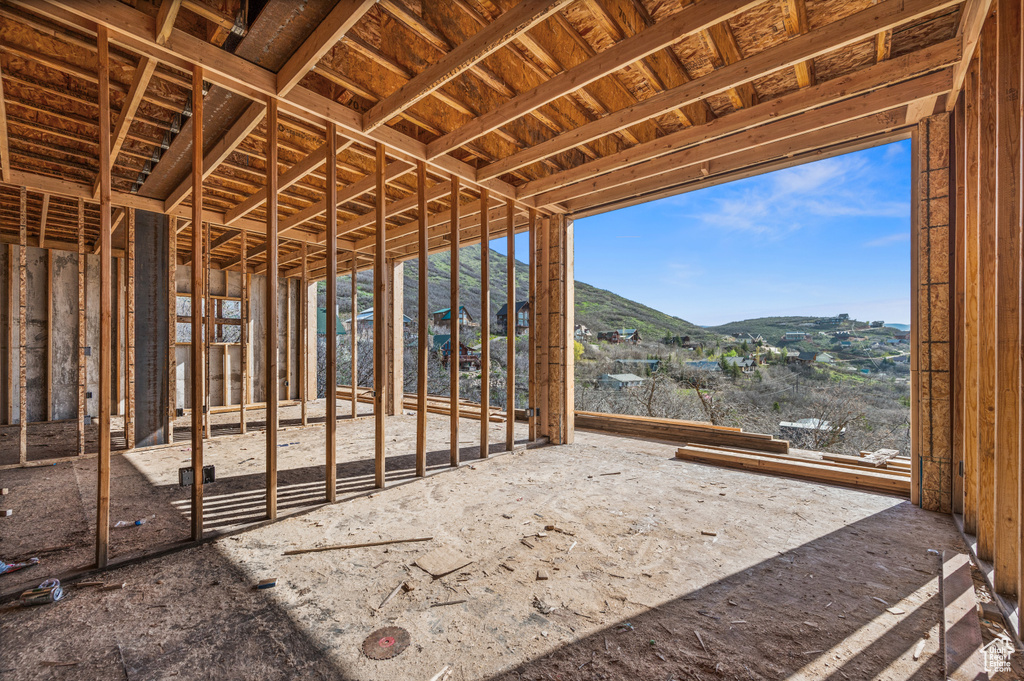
(442,561)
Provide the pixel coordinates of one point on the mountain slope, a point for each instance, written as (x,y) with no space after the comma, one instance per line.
(603,310)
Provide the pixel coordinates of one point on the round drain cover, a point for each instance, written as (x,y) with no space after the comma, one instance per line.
(385,643)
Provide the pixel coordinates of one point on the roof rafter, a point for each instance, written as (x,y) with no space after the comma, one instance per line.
(165,17)
(972,18)
(851,29)
(673,29)
(794,16)
(484,42)
(5,148)
(143,73)
(328,32)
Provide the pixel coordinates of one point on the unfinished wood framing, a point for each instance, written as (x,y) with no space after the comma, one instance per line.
(331,321)
(80,355)
(485,323)
(380,313)
(272,386)
(454,338)
(198,286)
(129,345)
(421,326)
(103,460)
(511,324)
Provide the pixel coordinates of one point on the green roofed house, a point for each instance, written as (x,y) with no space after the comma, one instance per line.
(442,319)
(321,323)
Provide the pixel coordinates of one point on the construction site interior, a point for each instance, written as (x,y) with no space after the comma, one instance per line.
(226,489)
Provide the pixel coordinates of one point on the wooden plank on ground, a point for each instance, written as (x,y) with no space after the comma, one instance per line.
(867,480)
(962,648)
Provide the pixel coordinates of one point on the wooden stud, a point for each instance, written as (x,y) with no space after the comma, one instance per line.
(455,315)
(172,328)
(43,215)
(511,322)
(6,370)
(243,346)
(1007,385)
(208,316)
(272,387)
(485,325)
(354,332)
(116,334)
(49,336)
(81,327)
(915,315)
(303,302)
(331,324)
(986,291)
(129,361)
(566,341)
(22,330)
(288,336)
(544,295)
(971,321)
(957,321)
(533,335)
(421,333)
(380,315)
(198,286)
(103,460)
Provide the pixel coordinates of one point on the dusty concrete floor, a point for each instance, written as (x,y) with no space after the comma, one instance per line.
(786,587)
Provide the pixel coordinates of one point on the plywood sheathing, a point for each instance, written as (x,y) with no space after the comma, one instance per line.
(932,289)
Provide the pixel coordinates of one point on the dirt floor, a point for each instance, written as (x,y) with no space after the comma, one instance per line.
(662,569)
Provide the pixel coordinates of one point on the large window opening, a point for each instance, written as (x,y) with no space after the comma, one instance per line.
(779,304)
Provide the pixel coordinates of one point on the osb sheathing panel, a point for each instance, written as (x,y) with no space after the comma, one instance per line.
(933,296)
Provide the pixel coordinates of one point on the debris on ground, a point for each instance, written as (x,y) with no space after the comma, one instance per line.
(268,583)
(49,591)
(14,567)
(442,561)
(385,643)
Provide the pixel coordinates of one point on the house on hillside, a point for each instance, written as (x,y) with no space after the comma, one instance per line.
(746,364)
(442,344)
(619,381)
(620,336)
(364,322)
(321,323)
(803,357)
(582,333)
(703,365)
(791,336)
(522,318)
(877,325)
(802,432)
(638,366)
(442,319)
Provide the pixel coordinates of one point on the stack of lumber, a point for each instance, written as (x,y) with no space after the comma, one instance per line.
(883,458)
(865,478)
(678,432)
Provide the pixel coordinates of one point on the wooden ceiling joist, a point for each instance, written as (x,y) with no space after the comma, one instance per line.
(5,148)
(165,17)
(140,82)
(499,33)
(680,25)
(794,13)
(851,29)
(972,18)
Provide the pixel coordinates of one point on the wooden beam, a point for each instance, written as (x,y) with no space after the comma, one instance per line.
(847,31)
(503,30)
(43,216)
(48,378)
(270,343)
(172,329)
(80,355)
(688,21)
(143,74)
(243,348)
(1007,102)
(331,330)
(987,291)
(485,326)
(208,315)
(883,46)
(721,41)
(421,334)
(129,338)
(103,460)
(165,17)
(5,148)
(380,315)
(228,142)
(972,19)
(850,109)
(303,302)
(958,195)
(454,341)
(794,16)
(198,286)
(511,322)
(328,32)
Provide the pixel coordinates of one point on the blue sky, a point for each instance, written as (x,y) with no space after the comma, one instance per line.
(817,239)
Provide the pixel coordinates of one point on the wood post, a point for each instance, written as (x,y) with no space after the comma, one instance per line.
(957,279)
(454,324)
(331,325)
(129,346)
(272,386)
(986,289)
(533,333)
(172,327)
(243,339)
(103,460)
(421,323)
(511,322)
(394,282)
(81,327)
(22,330)
(303,328)
(49,334)
(1007,101)
(544,310)
(198,285)
(485,325)
(208,316)
(380,316)
(970,318)
(6,371)
(353,332)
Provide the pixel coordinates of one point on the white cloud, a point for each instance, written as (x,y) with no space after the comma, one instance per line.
(899,237)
